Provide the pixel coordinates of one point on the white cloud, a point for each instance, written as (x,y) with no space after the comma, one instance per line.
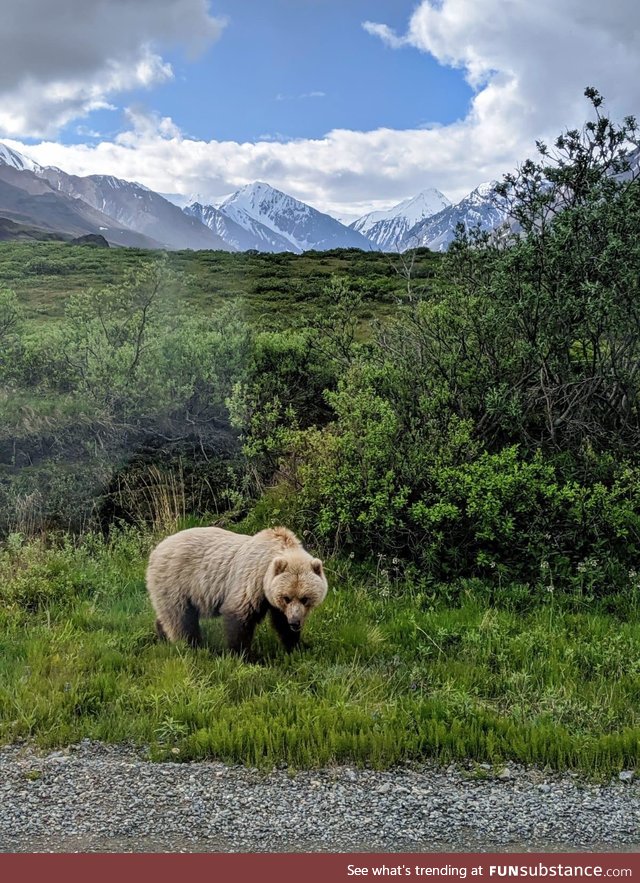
(528,63)
(60,63)
(282,97)
(86,132)
(385,33)
(332,173)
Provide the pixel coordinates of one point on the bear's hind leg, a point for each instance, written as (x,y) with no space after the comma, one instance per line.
(160,632)
(239,633)
(180,624)
(190,625)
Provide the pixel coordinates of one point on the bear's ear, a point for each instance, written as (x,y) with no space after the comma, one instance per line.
(316,566)
(279,565)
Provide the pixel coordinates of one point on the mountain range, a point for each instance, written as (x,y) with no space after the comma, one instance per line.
(39,202)
(482,209)
(388,228)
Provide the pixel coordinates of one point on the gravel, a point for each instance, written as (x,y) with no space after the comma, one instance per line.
(93,797)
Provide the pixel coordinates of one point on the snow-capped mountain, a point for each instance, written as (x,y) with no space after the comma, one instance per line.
(124,212)
(29,200)
(633,159)
(138,208)
(387,228)
(10,157)
(182,200)
(273,217)
(252,236)
(482,209)
(255,217)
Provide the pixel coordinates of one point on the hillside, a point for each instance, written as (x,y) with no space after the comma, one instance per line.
(12,231)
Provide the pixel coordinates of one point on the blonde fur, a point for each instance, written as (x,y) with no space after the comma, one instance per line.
(207,571)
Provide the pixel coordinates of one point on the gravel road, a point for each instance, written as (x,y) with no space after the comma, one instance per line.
(93,797)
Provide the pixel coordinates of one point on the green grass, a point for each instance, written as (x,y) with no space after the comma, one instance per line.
(276,290)
(390,674)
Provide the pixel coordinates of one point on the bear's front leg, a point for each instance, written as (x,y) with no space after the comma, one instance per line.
(289,637)
(239,633)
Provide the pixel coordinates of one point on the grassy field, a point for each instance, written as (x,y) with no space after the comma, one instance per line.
(279,290)
(390,675)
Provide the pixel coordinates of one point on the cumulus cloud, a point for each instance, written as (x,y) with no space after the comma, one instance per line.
(527,62)
(334,173)
(60,61)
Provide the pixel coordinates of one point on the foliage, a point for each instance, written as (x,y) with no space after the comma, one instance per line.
(493,427)
(10,328)
(539,341)
(421,490)
(137,373)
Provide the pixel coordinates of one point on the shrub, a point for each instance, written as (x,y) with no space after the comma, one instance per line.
(33,576)
(377,481)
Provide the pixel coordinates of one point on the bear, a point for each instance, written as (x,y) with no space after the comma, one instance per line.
(208,571)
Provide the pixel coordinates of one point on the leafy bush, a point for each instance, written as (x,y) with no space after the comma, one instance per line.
(494,428)
(34,576)
(501,515)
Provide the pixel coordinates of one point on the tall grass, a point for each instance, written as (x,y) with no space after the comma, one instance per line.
(27,519)
(391,675)
(154,496)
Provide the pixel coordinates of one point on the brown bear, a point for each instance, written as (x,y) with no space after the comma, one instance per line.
(207,571)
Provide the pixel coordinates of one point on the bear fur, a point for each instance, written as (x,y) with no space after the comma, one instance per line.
(208,571)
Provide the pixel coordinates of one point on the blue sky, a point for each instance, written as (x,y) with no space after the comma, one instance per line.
(297,69)
(199,97)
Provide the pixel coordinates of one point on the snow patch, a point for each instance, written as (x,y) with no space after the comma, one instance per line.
(10,157)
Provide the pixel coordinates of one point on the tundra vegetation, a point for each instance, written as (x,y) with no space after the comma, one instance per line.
(458,435)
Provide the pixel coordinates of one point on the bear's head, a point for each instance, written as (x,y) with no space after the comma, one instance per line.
(295,583)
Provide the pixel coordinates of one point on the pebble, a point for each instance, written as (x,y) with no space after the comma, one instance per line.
(95,797)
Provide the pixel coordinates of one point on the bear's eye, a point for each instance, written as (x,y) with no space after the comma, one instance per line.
(304,600)
(286,599)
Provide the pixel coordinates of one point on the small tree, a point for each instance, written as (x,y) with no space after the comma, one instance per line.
(585,165)
(110,336)
(538,339)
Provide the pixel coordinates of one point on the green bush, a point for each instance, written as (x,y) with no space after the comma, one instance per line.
(33,575)
(378,481)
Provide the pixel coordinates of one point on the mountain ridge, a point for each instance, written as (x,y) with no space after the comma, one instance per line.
(481,209)
(251,234)
(29,200)
(137,208)
(256,216)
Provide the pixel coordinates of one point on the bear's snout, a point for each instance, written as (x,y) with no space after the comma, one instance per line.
(295,614)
